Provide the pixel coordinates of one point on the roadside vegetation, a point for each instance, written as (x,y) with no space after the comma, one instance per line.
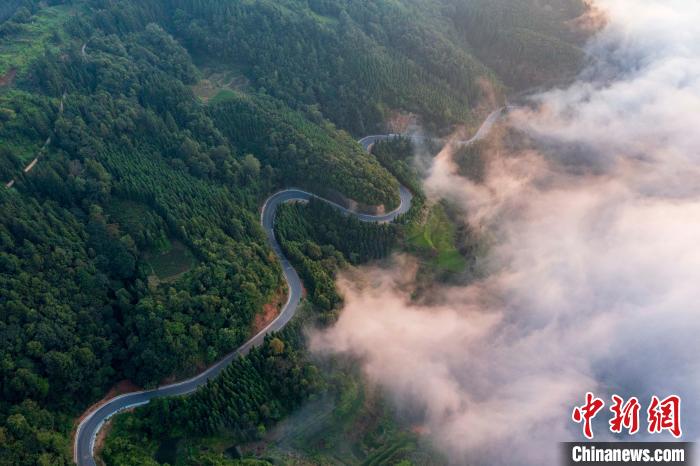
(471,161)
(341,420)
(139,177)
(304,153)
(222,421)
(26,121)
(25,36)
(240,405)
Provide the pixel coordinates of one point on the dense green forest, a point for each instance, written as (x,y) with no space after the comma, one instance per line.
(342,420)
(249,396)
(129,239)
(260,389)
(526,43)
(325,161)
(217,423)
(318,240)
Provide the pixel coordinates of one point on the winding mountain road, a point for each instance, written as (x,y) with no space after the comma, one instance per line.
(483,130)
(92,423)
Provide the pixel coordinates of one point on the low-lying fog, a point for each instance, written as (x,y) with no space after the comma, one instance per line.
(594,279)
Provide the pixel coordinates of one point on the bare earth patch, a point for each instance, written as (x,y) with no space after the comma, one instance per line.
(270,311)
(8,78)
(402,122)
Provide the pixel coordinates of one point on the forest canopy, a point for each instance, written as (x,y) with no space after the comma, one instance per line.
(130,245)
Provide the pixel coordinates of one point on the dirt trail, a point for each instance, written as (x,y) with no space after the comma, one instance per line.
(31,165)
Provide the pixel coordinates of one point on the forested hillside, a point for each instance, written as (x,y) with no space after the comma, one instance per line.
(260,389)
(346,57)
(526,42)
(251,394)
(130,245)
(359,61)
(324,160)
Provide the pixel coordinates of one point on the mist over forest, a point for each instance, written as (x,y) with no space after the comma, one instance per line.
(591,218)
(141,142)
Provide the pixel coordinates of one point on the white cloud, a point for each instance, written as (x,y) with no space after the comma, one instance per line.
(596,263)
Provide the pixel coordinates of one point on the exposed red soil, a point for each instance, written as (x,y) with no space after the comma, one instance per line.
(401,122)
(121,387)
(8,78)
(270,311)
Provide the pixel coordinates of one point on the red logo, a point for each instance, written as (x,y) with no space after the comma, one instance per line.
(625,415)
(665,415)
(662,415)
(587,412)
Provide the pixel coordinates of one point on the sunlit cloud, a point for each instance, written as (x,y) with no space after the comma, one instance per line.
(594,265)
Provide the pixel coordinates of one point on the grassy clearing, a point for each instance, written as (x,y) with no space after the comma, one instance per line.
(165,258)
(222,96)
(43,30)
(171,263)
(219,85)
(435,241)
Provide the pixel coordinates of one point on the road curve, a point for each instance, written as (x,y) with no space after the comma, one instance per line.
(483,130)
(89,427)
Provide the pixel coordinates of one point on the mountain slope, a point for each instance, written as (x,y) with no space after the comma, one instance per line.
(129,240)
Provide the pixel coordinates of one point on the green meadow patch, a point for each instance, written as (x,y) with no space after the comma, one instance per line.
(28,40)
(222,96)
(219,85)
(435,241)
(172,262)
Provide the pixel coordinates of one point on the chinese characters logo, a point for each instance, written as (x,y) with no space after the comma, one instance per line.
(662,415)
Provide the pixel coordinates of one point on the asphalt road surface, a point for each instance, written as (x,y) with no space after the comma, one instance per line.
(90,426)
(483,130)
(92,423)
